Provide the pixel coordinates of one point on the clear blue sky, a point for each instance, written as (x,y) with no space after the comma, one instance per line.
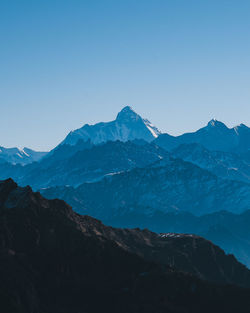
(66,63)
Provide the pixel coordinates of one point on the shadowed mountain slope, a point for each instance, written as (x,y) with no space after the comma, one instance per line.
(170,185)
(73,165)
(54,260)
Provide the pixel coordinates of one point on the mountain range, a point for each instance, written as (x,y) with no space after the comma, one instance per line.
(168,186)
(126,172)
(129,126)
(54,260)
(84,162)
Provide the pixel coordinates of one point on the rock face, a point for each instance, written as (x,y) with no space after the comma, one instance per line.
(215,136)
(128,125)
(54,260)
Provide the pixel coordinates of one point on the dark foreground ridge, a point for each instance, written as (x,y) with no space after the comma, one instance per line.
(53,260)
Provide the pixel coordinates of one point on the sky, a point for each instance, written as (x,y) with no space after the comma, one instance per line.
(65,63)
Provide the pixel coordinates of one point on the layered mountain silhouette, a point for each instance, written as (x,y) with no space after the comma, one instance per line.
(84,162)
(171,185)
(227,230)
(54,260)
(126,173)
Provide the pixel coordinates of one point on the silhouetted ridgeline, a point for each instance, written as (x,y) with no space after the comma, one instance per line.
(54,260)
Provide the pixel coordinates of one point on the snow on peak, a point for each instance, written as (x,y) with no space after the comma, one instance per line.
(154,130)
(127,113)
(128,125)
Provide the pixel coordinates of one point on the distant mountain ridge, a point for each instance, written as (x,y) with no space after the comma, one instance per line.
(84,162)
(129,126)
(20,156)
(223,164)
(169,185)
(215,136)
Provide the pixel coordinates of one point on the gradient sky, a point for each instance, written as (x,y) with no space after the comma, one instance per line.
(67,63)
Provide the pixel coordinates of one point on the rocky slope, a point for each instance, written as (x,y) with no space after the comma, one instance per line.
(54,260)
(185,252)
(229,231)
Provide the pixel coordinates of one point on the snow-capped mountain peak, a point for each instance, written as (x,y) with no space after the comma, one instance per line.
(128,125)
(127,113)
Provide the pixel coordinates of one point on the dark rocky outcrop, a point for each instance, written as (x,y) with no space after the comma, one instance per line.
(54,260)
